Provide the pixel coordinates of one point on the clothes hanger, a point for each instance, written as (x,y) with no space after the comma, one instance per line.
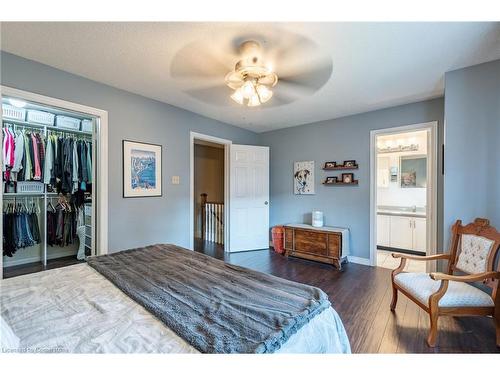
(51,206)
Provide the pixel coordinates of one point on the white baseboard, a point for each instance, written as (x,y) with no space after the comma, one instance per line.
(359,260)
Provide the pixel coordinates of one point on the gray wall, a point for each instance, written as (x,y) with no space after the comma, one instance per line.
(472,137)
(138,221)
(340,139)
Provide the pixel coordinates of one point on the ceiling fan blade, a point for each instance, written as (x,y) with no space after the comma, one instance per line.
(196,61)
(217,95)
(288,92)
(313,78)
(294,89)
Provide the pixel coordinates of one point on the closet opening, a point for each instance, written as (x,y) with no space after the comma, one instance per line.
(50,184)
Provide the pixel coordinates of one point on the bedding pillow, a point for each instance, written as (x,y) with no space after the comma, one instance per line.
(8,340)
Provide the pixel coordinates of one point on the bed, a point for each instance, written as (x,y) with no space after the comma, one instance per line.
(77,309)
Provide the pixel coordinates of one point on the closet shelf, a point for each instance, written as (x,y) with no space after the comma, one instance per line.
(28,194)
(48,127)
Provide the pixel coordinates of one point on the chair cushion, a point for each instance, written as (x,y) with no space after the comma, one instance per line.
(475,250)
(458,294)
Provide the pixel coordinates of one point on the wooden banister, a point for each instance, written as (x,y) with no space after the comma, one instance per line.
(203,214)
(212,220)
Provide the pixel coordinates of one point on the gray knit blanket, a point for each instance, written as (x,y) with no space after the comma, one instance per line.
(214,306)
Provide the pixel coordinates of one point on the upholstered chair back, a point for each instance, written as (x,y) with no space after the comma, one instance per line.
(473,253)
(474,248)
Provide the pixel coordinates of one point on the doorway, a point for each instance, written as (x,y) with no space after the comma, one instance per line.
(209,193)
(403,195)
(209,201)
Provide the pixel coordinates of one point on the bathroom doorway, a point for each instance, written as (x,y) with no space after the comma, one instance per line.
(403,195)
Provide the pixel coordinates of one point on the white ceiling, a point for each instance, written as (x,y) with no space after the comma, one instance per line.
(373,65)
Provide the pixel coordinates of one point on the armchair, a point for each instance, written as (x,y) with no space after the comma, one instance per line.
(473,251)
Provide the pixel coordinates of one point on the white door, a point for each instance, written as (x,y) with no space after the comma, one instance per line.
(401,232)
(383,230)
(249,198)
(419,234)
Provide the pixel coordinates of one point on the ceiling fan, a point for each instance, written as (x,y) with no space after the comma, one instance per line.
(276,68)
(251,79)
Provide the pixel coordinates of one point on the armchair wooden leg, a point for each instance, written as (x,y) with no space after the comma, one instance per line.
(394,297)
(433,332)
(497,327)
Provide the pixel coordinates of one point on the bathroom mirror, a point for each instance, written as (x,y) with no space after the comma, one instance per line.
(413,169)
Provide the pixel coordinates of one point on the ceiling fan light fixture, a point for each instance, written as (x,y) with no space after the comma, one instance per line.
(252,76)
(248,89)
(264,93)
(254,100)
(238,96)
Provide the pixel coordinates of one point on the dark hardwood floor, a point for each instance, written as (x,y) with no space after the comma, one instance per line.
(361,295)
(24,269)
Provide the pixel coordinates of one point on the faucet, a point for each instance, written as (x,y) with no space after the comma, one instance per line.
(414,208)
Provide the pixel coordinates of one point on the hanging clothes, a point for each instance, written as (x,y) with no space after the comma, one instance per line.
(62,224)
(8,152)
(18,155)
(48,165)
(63,163)
(20,227)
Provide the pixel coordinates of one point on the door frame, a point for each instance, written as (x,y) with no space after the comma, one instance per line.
(432,190)
(227,145)
(101,242)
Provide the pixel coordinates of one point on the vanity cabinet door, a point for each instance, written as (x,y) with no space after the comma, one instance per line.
(401,232)
(419,234)
(383,230)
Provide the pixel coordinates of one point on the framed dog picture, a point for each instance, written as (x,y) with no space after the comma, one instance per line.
(303,177)
(141,170)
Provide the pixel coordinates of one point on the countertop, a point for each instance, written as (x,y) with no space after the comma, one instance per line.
(401,213)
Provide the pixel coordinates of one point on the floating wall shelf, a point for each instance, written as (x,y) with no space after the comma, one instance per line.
(355,182)
(340,168)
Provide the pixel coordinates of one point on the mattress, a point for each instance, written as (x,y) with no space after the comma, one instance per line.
(76,310)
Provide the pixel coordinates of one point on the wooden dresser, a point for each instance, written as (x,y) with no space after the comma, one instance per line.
(326,244)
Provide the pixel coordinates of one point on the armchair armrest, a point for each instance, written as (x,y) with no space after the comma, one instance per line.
(421,257)
(466,279)
(405,257)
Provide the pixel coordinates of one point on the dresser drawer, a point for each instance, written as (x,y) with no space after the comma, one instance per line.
(311,242)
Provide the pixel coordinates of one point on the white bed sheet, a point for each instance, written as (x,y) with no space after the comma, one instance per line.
(76,310)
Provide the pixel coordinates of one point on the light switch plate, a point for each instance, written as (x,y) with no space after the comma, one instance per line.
(175,180)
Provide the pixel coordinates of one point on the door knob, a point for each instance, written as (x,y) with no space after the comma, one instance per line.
(266,203)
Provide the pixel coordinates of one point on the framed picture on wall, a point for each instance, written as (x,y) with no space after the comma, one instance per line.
(141,169)
(303,177)
(347,178)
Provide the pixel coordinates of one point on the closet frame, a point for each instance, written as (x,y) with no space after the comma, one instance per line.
(100,165)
